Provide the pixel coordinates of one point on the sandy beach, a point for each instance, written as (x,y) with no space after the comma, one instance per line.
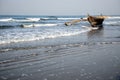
(100,61)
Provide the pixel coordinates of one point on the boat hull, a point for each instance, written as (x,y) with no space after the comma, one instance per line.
(95,21)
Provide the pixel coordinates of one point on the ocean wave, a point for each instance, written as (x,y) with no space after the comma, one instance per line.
(6,26)
(33,19)
(6,20)
(58,18)
(115,17)
(30,36)
(20,20)
(112,23)
(25,20)
(48,18)
(36,25)
(67,18)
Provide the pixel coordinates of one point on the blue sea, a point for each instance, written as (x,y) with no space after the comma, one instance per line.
(43,48)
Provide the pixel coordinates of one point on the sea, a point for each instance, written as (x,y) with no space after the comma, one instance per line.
(48,30)
(44,48)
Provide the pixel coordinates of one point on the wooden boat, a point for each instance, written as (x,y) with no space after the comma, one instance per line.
(95,21)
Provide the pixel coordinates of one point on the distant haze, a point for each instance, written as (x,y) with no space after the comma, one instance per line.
(59,7)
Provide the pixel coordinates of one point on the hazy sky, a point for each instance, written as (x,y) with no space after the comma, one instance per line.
(59,7)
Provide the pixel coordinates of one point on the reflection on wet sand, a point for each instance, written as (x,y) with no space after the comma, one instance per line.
(93,35)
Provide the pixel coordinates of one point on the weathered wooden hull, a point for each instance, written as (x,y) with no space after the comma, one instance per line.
(95,21)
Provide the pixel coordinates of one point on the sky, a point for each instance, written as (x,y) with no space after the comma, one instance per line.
(59,7)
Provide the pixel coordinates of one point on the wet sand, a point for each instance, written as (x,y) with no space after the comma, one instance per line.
(100,61)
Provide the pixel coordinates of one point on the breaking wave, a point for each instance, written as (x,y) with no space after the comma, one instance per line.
(6,20)
(36,25)
(26,20)
(20,20)
(33,19)
(115,17)
(38,35)
(112,23)
(6,26)
(67,18)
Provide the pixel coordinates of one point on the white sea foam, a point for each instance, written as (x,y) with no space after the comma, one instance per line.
(51,18)
(27,26)
(37,25)
(90,28)
(45,24)
(115,17)
(19,20)
(33,19)
(67,18)
(37,35)
(112,23)
(6,20)
(22,20)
